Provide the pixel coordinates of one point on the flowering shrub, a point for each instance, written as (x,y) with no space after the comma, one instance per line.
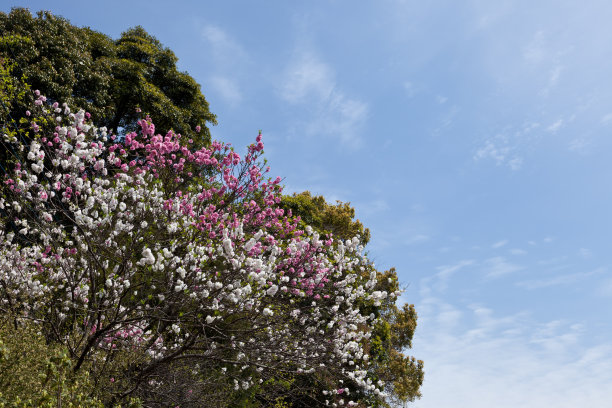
(180,258)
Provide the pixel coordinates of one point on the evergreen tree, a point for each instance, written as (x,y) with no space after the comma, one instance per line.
(111,79)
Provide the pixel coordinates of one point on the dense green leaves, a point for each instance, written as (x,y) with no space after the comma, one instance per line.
(36,374)
(108,78)
(326,218)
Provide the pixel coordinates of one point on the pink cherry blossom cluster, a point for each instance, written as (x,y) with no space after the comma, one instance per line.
(149,244)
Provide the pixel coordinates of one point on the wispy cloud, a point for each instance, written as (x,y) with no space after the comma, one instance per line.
(225,50)
(306,78)
(372,207)
(555,74)
(409,88)
(535,51)
(416,239)
(439,281)
(492,151)
(579,144)
(501,152)
(499,266)
(553,128)
(441,99)
(446,271)
(227,88)
(310,82)
(605,288)
(475,357)
(559,279)
(499,244)
(553,80)
(230,59)
(508,146)
(607,118)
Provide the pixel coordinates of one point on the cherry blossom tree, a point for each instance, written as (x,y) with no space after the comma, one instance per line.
(170,271)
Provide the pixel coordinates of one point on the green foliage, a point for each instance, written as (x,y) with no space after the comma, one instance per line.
(36,374)
(403,374)
(107,78)
(13,92)
(326,218)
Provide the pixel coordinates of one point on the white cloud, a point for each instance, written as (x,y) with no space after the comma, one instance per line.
(409,88)
(416,239)
(474,357)
(555,74)
(492,151)
(501,151)
(515,163)
(439,281)
(499,244)
(225,50)
(445,271)
(227,88)
(311,82)
(307,78)
(558,262)
(553,80)
(230,60)
(579,144)
(441,99)
(558,280)
(479,358)
(372,207)
(499,266)
(607,118)
(535,52)
(553,128)
(605,288)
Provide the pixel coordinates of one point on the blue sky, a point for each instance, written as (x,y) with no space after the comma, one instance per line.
(473,139)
